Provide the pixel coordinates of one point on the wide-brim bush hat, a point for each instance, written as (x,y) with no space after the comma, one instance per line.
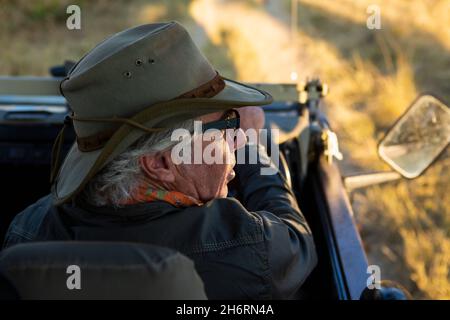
(140,80)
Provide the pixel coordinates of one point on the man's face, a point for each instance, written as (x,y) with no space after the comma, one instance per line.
(210,180)
(202,181)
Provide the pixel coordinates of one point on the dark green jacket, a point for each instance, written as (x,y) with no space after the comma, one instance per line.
(259,248)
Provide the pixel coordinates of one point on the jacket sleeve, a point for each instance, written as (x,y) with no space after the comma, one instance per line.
(25,226)
(290,247)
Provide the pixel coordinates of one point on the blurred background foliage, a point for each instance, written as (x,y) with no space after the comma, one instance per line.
(373,75)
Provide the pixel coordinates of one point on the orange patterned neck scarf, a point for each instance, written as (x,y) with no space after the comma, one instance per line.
(147,193)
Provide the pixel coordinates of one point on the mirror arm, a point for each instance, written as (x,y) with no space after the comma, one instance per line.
(364,180)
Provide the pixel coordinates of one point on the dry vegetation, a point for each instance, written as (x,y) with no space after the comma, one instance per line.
(373,75)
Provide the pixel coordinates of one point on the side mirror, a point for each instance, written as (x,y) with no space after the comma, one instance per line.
(418,137)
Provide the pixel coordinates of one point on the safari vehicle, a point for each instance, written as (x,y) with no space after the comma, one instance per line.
(32,112)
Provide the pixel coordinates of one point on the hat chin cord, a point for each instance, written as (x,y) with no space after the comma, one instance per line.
(90,143)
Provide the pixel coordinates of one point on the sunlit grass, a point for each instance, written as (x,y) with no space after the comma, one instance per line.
(403,16)
(405,226)
(373,79)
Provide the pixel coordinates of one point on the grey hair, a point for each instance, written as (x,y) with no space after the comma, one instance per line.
(118,179)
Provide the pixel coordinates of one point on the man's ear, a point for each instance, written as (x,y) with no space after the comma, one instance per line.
(158,166)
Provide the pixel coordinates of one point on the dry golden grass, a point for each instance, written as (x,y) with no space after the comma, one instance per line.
(373,76)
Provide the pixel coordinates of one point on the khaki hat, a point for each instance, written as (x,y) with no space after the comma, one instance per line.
(140,80)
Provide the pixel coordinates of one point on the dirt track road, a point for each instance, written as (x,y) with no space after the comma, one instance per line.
(261,45)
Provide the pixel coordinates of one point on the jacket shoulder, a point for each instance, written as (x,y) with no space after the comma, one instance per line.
(25,226)
(224,223)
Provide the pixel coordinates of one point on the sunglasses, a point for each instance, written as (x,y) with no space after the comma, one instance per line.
(229,120)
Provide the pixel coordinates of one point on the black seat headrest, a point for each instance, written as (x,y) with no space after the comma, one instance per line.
(99,270)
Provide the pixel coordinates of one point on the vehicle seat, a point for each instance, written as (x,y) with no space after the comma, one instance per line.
(107,270)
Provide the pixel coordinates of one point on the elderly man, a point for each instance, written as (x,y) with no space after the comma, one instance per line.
(121,182)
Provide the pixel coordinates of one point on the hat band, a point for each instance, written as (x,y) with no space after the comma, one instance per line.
(98,140)
(206,90)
